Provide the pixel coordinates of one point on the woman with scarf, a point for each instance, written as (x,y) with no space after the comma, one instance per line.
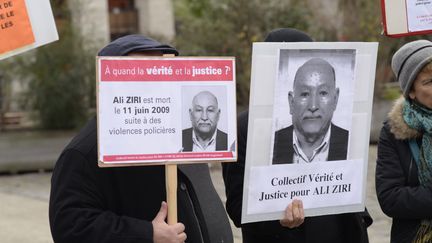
(404,163)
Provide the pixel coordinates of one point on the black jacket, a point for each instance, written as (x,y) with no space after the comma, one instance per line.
(283,151)
(341,228)
(399,193)
(104,205)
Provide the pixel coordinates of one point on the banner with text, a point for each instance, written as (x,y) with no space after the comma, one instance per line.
(308,129)
(406,17)
(15,25)
(419,15)
(339,183)
(25,25)
(158,110)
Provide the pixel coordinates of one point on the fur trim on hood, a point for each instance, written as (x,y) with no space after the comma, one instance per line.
(397,124)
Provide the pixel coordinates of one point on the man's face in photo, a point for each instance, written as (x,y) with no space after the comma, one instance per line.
(204,113)
(314,98)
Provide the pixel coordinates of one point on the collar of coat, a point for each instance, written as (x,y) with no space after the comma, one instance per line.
(398,125)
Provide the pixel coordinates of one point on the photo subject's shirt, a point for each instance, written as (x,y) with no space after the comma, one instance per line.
(319,154)
(209,147)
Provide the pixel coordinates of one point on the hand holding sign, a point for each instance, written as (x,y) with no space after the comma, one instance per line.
(165,233)
(293,215)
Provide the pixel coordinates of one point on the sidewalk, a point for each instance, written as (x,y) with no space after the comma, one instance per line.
(24,209)
(24,197)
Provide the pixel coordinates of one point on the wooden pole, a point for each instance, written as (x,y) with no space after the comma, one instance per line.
(171,185)
(171,190)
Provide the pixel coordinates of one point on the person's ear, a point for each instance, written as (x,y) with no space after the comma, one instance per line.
(190,114)
(291,101)
(412,94)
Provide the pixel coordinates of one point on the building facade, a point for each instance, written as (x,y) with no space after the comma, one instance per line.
(99,22)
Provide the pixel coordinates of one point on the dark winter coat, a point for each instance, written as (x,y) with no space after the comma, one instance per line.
(399,193)
(341,228)
(113,205)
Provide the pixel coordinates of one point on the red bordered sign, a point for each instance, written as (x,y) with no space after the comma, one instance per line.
(406,17)
(147,110)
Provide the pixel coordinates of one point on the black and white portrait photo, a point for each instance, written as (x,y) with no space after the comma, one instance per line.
(313,103)
(204,119)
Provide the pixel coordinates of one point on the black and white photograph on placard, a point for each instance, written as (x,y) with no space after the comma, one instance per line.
(204,119)
(308,128)
(313,103)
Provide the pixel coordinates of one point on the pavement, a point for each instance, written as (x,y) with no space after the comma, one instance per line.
(24,196)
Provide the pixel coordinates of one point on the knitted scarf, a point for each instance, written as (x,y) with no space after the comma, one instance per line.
(419,118)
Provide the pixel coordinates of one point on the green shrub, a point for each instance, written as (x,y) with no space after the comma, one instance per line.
(228,28)
(59,78)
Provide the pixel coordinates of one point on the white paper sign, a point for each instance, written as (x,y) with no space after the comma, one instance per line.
(271,188)
(152,110)
(419,15)
(25,25)
(332,100)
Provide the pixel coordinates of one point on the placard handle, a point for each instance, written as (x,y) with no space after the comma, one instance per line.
(171,190)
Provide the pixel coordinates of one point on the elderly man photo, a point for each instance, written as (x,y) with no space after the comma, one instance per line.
(312,137)
(204,136)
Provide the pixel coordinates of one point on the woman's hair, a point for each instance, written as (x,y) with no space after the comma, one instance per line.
(427,67)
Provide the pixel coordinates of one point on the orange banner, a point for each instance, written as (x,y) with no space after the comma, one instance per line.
(15,27)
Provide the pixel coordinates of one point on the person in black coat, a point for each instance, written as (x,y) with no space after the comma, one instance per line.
(404,163)
(341,228)
(112,205)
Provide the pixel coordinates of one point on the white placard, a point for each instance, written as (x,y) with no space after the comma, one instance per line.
(273,187)
(419,15)
(349,62)
(150,110)
(406,17)
(38,14)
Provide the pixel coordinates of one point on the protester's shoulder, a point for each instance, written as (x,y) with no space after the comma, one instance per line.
(396,123)
(86,139)
(386,126)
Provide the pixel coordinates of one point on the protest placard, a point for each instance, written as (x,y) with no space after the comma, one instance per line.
(406,17)
(160,110)
(309,122)
(25,25)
